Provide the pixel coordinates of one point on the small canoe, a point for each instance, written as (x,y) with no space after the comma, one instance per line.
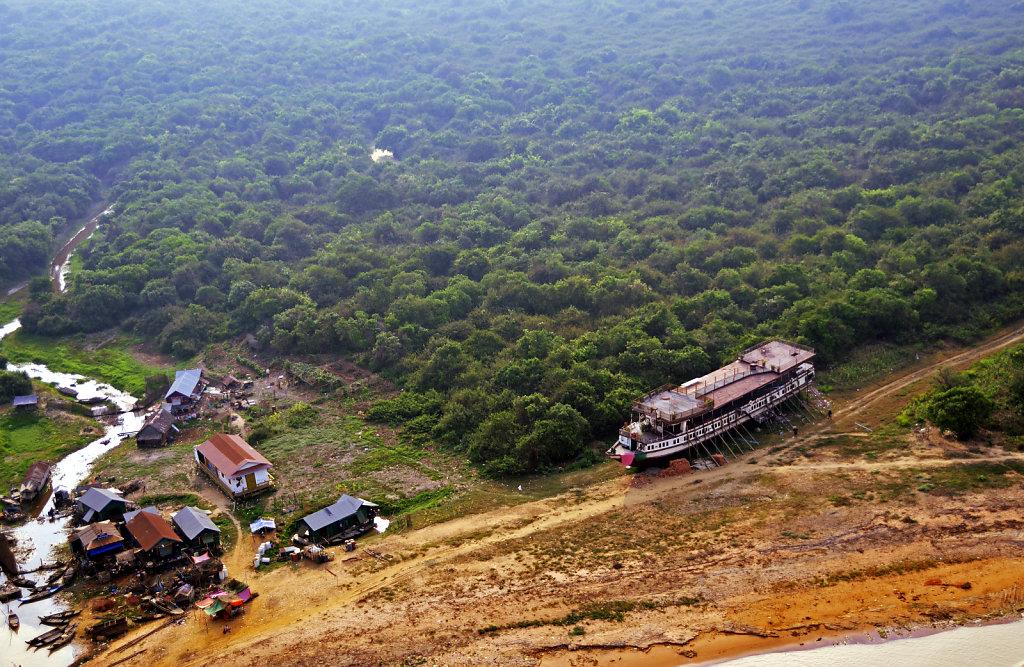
(60,619)
(69,575)
(13,622)
(39,595)
(65,637)
(46,637)
(22,582)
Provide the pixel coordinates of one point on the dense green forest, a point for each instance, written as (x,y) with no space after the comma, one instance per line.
(586,198)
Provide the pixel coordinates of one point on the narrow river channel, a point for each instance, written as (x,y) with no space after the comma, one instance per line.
(38,536)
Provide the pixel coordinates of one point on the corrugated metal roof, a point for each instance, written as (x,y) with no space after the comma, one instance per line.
(148,529)
(31,399)
(128,516)
(161,421)
(185,382)
(345,507)
(96,499)
(37,474)
(232,456)
(96,535)
(191,522)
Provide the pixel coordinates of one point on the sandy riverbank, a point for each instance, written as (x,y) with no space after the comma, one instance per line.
(822,539)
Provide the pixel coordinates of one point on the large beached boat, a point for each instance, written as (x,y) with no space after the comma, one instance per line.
(673,419)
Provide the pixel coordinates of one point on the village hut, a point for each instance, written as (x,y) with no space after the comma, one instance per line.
(153,534)
(238,469)
(197,528)
(97,541)
(346,518)
(156,432)
(101,505)
(128,516)
(26,403)
(229,382)
(184,392)
(36,479)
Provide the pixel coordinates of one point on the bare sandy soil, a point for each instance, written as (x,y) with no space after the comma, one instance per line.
(837,532)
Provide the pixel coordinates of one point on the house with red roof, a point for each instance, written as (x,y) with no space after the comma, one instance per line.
(237,468)
(153,533)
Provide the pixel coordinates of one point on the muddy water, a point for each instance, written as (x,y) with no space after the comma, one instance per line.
(38,537)
(981,646)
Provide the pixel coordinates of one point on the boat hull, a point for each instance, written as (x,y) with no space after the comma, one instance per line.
(675,446)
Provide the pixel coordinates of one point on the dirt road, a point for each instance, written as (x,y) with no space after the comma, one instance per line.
(744,557)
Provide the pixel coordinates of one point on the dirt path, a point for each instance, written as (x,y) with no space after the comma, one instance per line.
(448,580)
(893,385)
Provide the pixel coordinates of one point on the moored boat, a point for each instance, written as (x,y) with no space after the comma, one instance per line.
(65,637)
(22,582)
(670,420)
(60,619)
(46,638)
(39,595)
(13,622)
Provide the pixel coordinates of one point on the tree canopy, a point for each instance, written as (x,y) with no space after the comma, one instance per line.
(585,198)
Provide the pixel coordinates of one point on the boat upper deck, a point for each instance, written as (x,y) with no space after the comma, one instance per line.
(755,368)
(669,404)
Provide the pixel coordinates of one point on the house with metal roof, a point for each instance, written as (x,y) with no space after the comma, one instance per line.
(197,528)
(184,391)
(36,479)
(97,540)
(101,505)
(156,432)
(128,516)
(349,517)
(237,468)
(153,534)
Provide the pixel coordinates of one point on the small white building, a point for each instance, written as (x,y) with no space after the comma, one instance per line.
(184,392)
(237,468)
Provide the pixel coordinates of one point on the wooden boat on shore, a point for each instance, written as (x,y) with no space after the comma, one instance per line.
(13,622)
(22,582)
(9,592)
(46,638)
(107,629)
(64,638)
(39,595)
(60,619)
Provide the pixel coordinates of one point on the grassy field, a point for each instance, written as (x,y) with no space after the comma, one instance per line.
(111,363)
(26,438)
(9,310)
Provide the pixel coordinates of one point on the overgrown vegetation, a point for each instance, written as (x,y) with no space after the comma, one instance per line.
(990,394)
(613,611)
(29,437)
(111,363)
(585,201)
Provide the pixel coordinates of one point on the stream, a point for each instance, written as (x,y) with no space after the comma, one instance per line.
(62,262)
(37,538)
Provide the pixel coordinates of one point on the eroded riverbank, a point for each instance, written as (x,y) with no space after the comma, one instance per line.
(38,538)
